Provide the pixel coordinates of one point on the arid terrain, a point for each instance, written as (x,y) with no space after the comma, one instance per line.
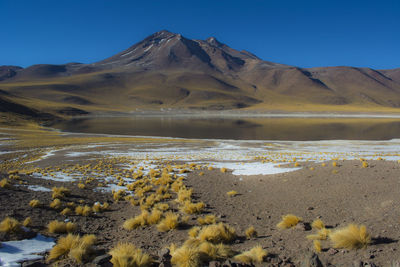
(356,184)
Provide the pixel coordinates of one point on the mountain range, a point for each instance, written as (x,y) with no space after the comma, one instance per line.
(168,71)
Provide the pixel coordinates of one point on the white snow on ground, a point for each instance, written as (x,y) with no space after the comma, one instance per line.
(48,154)
(56,176)
(252,168)
(14,252)
(39,188)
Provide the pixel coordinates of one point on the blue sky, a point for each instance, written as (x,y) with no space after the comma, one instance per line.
(301,33)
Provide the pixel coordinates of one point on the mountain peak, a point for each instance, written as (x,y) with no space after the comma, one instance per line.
(213,41)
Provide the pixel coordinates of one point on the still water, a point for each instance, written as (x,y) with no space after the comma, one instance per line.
(294,129)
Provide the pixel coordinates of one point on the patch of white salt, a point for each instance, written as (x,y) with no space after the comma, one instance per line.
(12,253)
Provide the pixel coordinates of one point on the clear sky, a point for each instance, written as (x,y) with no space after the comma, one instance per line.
(305,33)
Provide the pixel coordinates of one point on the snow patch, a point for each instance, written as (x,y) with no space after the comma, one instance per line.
(38,188)
(12,253)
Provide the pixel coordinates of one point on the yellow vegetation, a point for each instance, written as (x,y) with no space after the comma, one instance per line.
(289,221)
(60,192)
(66,211)
(334,164)
(10,225)
(208,219)
(317,246)
(170,221)
(27,222)
(83,210)
(191,208)
(251,232)
(217,233)
(34,203)
(127,255)
(322,234)
(232,193)
(223,170)
(61,227)
(4,183)
(254,255)
(318,224)
(194,231)
(55,204)
(365,164)
(73,246)
(351,237)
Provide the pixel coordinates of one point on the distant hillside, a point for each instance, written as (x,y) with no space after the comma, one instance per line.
(167,70)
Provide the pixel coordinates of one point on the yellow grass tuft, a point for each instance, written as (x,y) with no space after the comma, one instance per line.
(170,221)
(66,211)
(208,219)
(10,225)
(223,170)
(289,221)
(365,164)
(217,233)
(334,164)
(194,231)
(184,195)
(154,217)
(34,203)
(191,208)
(317,246)
(322,234)
(60,192)
(55,204)
(210,168)
(61,227)
(318,224)
(186,256)
(214,252)
(232,193)
(351,237)
(27,222)
(4,183)
(83,210)
(81,186)
(73,246)
(127,255)
(251,232)
(254,255)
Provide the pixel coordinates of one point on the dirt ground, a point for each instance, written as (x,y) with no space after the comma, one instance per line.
(338,196)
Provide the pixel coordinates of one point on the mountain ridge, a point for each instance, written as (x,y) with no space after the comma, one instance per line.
(168,70)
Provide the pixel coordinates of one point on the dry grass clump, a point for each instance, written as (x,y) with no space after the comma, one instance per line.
(184,195)
(81,186)
(289,221)
(186,256)
(334,164)
(217,233)
(83,210)
(365,164)
(251,232)
(223,170)
(169,222)
(98,207)
(135,222)
(194,232)
(351,237)
(27,222)
(232,193)
(252,256)
(322,234)
(73,246)
(191,208)
(34,203)
(10,225)
(61,227)
(317,246)
(60,192)
(66,211)
(208,219)
(318,224)
(55,204)
(127,255)
(5,184)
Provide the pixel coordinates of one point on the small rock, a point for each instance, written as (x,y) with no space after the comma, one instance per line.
(102,259)
(358,263)
(164,254)
(33,264)
(311,260)
(370,264)
(303,226)
(214,264)
(310,208)
(332,251)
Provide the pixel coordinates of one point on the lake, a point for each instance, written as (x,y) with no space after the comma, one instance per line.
(275,128)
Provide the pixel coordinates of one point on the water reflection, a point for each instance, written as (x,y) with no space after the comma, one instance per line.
(295,129)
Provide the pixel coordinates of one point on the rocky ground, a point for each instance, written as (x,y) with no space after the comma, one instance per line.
(346,193)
